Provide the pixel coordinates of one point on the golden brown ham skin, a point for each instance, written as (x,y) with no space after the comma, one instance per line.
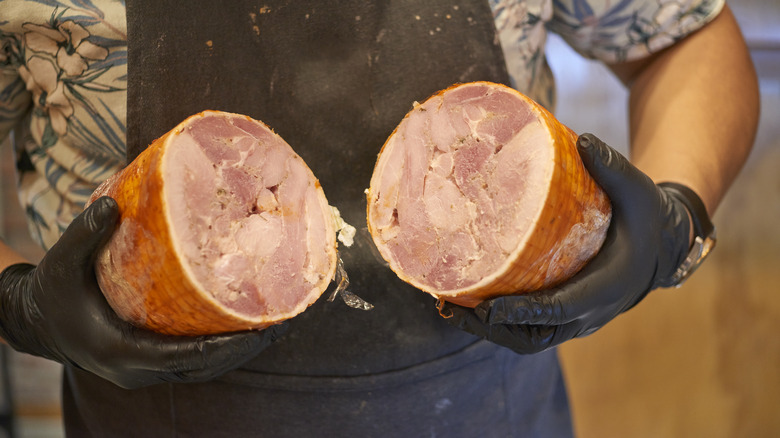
(512,210)
(153,280)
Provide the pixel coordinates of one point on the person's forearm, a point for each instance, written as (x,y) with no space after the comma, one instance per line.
(694,110)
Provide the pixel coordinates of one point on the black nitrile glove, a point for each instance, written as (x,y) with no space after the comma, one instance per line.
(56,310)
(647,240)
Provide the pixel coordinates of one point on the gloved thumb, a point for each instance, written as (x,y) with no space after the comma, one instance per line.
(620,179)
(87,233)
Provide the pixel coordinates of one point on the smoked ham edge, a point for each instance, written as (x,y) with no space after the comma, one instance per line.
(566,229)
(142,270)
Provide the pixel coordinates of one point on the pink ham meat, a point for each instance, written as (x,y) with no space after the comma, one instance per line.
(480,192)
(223,227)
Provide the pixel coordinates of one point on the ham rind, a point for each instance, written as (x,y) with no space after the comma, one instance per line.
(223,227)
(480,192)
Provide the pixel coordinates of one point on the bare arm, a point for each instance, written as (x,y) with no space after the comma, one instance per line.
(694,109)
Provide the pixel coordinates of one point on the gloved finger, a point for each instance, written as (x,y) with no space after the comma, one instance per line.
(518,339)
(464,319)
(620,179)
(226,352)
(590,290)
(156,358)
(541,308)
(521,338)
(559,306)
(575,299)
(86,234)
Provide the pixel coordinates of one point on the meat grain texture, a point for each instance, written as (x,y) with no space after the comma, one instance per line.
(480,192)
(223,227)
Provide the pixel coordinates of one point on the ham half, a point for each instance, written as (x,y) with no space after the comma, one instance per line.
(223,227)
(480,192)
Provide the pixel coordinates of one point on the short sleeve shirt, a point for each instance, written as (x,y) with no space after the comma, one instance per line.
(63,79)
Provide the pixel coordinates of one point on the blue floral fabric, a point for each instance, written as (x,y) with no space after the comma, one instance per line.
(625,30)
(63,66)
(608,30)
(63,79)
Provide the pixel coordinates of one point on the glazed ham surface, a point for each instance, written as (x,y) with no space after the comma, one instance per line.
(223,227)
(480,192)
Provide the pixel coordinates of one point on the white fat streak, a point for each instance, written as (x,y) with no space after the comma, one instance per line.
(346,232)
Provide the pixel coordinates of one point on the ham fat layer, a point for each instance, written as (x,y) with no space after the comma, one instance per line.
(479,192)
(223,228)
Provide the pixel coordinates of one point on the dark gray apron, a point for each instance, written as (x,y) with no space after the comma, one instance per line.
(333,78)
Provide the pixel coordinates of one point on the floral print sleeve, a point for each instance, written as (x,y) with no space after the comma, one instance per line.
(523,34)
(64,67)
(609,30)
(625,30)
(14,97)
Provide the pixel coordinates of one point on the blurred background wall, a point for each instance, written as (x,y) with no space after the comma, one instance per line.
(703,360)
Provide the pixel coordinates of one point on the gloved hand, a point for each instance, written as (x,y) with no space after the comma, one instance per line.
(56,310)
(647,240)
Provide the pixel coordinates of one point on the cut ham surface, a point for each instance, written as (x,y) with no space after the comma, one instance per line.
(223,227)
(480,192)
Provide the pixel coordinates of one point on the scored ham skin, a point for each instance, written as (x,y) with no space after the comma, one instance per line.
(222,228)
(480,192)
